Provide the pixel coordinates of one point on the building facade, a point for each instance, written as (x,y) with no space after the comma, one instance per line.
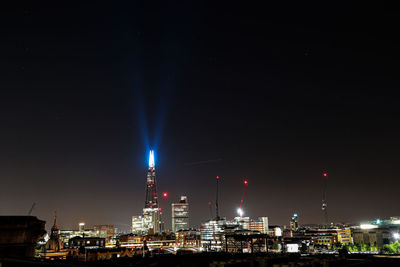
(180,214)
(150,221)
(294,222)
(187,238)
(260,225)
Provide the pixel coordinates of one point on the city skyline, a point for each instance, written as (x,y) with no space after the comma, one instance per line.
(274,95)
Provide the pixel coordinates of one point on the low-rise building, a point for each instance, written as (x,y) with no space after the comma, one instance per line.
(87,242)
(188,238)
(377,232)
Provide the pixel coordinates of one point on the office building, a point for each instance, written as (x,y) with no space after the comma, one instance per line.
(180,215)
(150,221)
(294,222)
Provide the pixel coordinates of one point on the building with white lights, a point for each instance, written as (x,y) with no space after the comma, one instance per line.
(294,222)
(150,221)
(180,214)
(260,225)
(212,234)
(377,232)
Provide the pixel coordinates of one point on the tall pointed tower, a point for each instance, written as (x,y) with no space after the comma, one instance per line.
(151,187)
(54,243)
(151,212)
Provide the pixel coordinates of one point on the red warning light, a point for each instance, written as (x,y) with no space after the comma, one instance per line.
(325,174)
(217,177)
(165,194)
(246,182)
(209,202)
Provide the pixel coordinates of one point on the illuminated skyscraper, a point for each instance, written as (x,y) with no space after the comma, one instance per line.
(151,187)
(294,222)
(150,222)
(151,212)
(180,214)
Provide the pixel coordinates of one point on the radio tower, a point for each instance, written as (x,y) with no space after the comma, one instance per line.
(240,211)
(324,202)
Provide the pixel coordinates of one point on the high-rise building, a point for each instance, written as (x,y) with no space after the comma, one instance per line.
(260,225)
(151,212)
(180,214)
(294,222)
(150,222)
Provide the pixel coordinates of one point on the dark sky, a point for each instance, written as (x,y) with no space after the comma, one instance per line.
(275,93)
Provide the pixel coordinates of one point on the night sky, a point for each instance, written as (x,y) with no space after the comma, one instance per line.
(278,94)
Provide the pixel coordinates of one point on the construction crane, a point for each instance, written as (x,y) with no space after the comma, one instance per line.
(32,207)
(216,202)
(210,208)
(240,210)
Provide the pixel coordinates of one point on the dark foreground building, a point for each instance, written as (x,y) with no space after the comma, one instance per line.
(19,235)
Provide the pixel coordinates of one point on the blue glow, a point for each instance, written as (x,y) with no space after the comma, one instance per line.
(151,159)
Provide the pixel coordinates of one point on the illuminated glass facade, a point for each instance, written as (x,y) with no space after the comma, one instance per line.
(180,215)
(294,222)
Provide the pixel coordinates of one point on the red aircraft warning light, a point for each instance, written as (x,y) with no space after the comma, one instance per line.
(217,177)
(165,194)
(325,174)
(246,182)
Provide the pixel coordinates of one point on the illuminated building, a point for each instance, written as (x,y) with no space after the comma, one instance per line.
(274,230)
(187,238)
(66,235)
(180,214)
(138,225)
(294,222)
(244,241)
(260,225)
(149,241)
(212,234)
(105,231)
(150,222)
(242,222)
(87,242)
(377,232)
(328,237)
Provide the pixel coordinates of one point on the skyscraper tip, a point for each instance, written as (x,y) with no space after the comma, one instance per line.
(151,159)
